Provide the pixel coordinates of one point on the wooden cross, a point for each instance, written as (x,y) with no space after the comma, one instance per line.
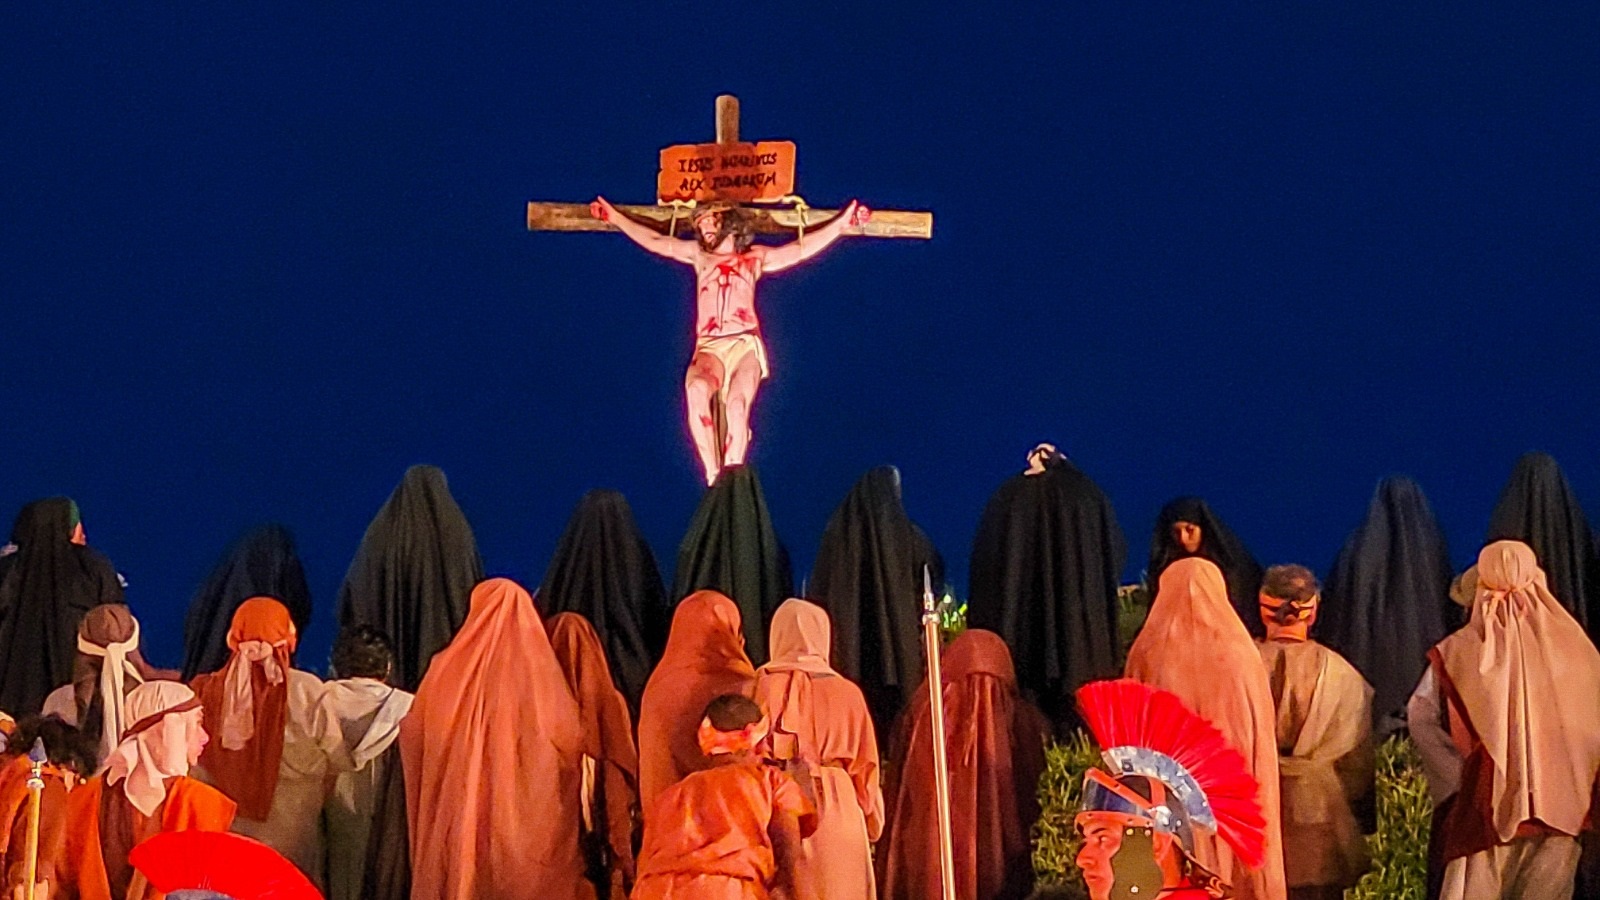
(886,223)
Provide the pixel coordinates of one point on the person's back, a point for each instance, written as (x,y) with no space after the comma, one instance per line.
(368,713)
(1325,761)
(730,832)
(69,757)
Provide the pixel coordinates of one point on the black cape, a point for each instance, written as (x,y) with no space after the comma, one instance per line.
(413,575)
(45,588)
(1217,543)
(604,571)
(1387,600)
(1537,507)
(731,547)
(1046,565)
(868,576)
(262,563)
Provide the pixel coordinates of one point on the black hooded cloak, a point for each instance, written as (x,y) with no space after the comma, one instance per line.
(262,563)
(412,579)
(1046,565)
(869,577)
(1387,600)
(731,547)
(1538,508)
(46,586)
(604,571)
(1217,544)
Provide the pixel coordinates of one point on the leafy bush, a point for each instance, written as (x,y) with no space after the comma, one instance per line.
(1055,841)
(1405,814)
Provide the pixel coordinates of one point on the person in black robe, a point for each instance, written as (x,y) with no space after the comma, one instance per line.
(1188,527)
(868,576)
(1538,508)
(1387,600)
(261,563)
(411,579)
(47,583)
(604,571)
(1046,565)
(732,548)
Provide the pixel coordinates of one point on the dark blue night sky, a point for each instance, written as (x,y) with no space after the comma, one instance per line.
(258,258)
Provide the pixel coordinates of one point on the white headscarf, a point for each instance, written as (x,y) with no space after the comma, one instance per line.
(113,687)
(156,745)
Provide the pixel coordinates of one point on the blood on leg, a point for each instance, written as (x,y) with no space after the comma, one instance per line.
(700,385)
(741,397)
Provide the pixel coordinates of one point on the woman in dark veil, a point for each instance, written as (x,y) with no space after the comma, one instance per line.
(47,584)
(732,548)
(604,571)
(1537,507)
(868,576)
(1187,527)
(1387,601)
(1046,564)
(412,579)
(262,563)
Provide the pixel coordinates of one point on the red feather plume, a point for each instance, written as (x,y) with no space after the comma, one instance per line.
(217,861)
(1125,713)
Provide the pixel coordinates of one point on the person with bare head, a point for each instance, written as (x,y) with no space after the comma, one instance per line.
(730,360)
(1324,730)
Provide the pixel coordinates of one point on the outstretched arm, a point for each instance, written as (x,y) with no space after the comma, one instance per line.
(849,220)
(643,235)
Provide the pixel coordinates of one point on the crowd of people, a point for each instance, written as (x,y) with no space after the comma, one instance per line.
(475,739)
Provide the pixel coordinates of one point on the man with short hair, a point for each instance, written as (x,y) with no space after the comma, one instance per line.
(1325,761)
(730,832)
(368,711)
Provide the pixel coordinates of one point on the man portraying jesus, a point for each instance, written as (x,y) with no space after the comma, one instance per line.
(730,361)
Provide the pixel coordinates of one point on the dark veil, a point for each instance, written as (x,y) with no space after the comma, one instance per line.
(263,562)
(1046,564)
(1218,544)
(1387,600)
(412,579)
(731,547)
(46,586)
(868,576)
(1538,508)
(604,571)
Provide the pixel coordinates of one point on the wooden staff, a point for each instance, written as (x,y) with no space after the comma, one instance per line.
(931,644)
(37,757)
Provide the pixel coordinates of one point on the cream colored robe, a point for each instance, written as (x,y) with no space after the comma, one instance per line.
(368,713)
(1325,760)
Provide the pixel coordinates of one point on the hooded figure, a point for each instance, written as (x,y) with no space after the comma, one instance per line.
(46,587)
(604,571)
(1208,538)
(704,660)
(1046,564)
(868,577)
(262,563)
(819,719)
(1516,694)
(145,790)
(1388,599)
(493,760)
(1537,507)
(994,742)
(109,665)
(273,737)
(611,760)
(731,548)
(1192,635)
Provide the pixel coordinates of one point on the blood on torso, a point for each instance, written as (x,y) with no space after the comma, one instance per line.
(725,293)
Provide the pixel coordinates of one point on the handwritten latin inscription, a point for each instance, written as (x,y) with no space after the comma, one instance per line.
(735,172)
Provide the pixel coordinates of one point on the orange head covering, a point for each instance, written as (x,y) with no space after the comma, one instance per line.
(1529,680)
(247,705)
(704,659)
(491,756)
(607,727)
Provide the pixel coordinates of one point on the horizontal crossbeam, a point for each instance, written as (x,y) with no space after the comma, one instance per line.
(885,223)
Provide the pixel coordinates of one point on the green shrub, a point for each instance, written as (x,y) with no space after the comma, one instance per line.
(1405,814)
(1055,840)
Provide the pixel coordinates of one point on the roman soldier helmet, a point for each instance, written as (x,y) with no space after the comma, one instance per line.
(1167,770)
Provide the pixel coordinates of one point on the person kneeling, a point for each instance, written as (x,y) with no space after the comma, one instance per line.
(730,832)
